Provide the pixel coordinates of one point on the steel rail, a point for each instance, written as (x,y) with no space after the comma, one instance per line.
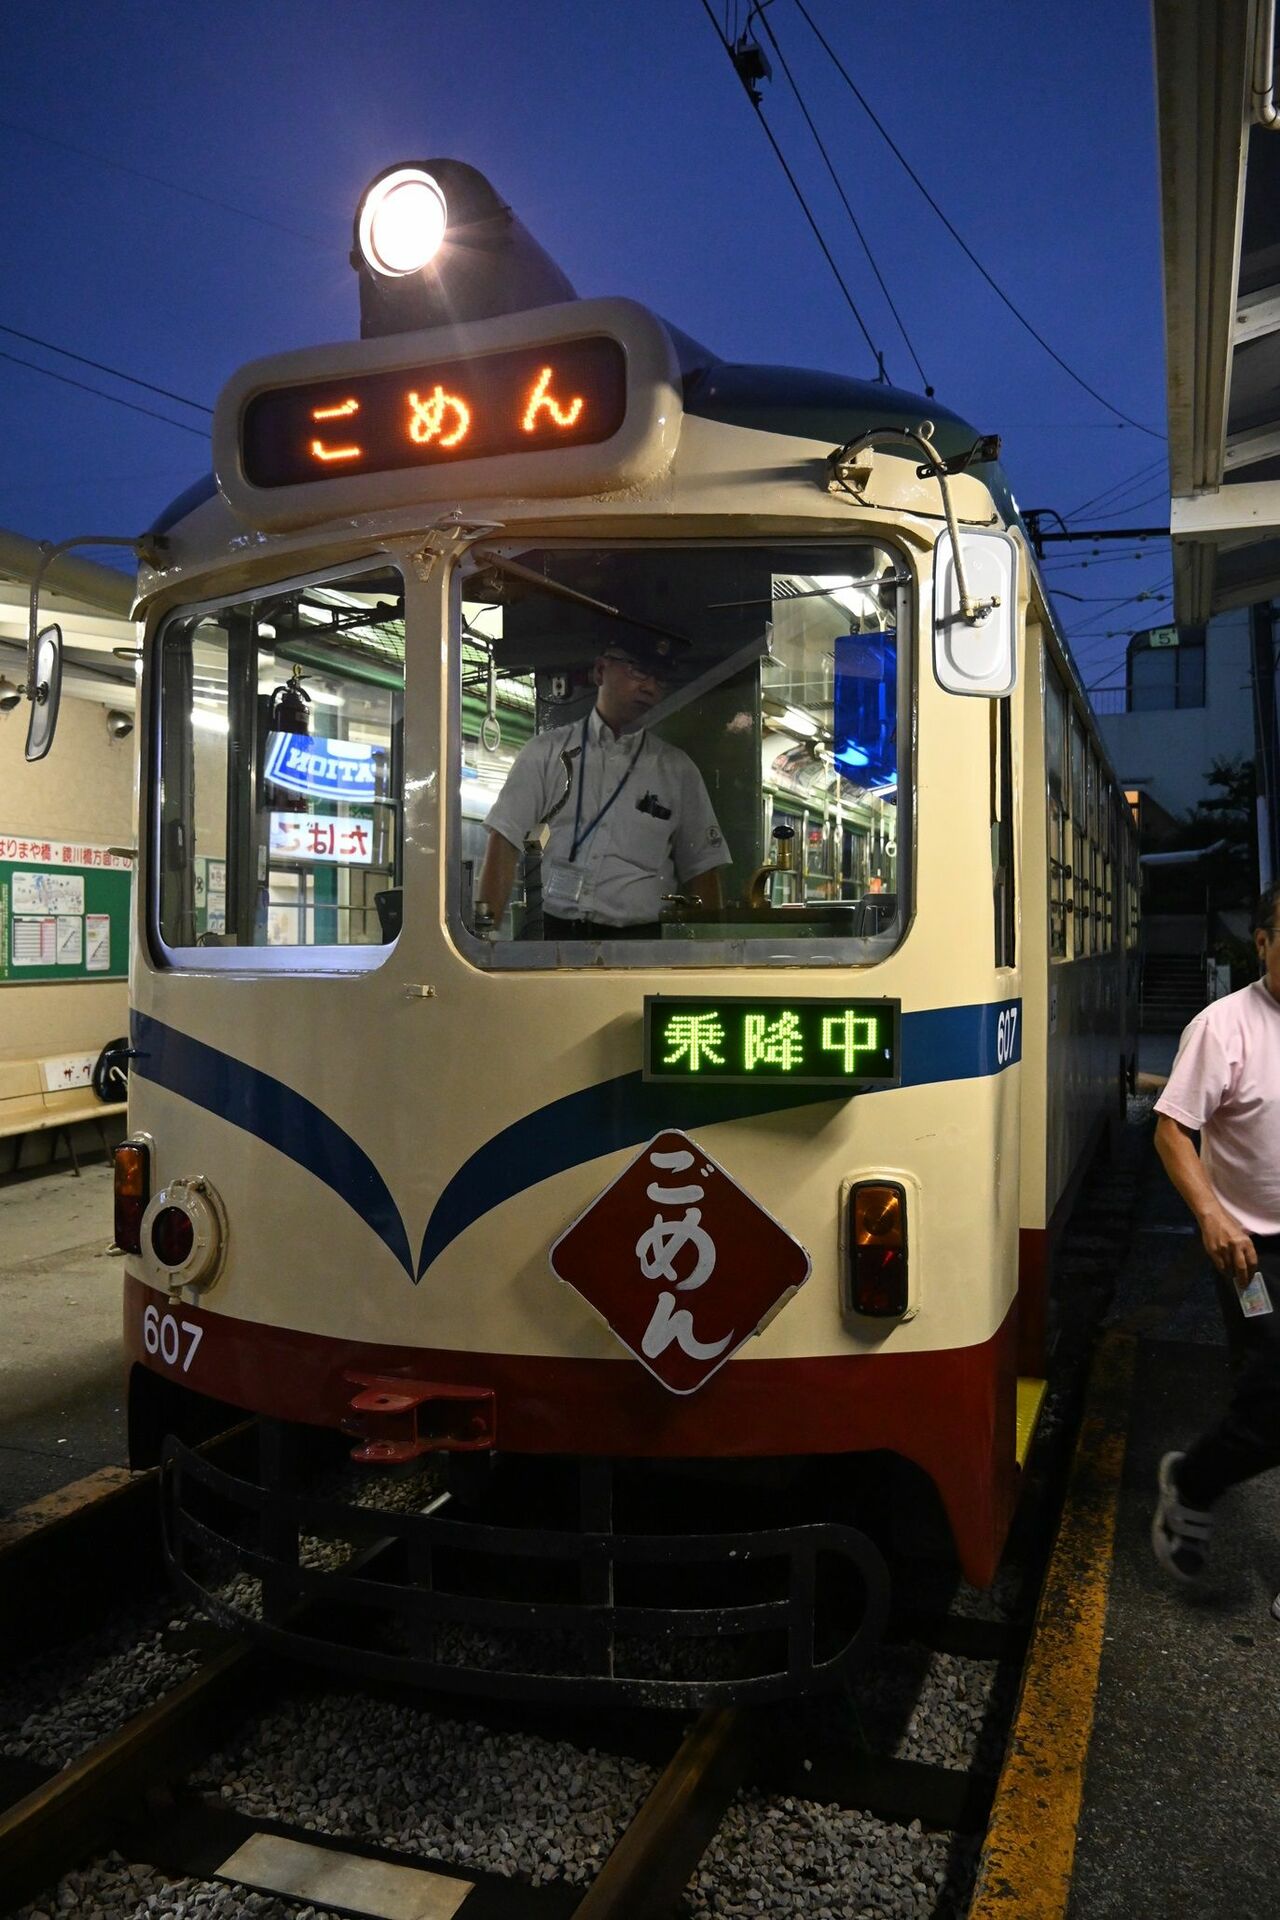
(644,1876)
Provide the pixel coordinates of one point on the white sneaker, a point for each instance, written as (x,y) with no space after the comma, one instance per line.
(1180,1535)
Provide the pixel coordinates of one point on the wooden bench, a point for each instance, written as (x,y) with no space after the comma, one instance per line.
(26,1107)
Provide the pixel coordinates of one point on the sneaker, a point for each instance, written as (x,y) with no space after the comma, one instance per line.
(1179,1535)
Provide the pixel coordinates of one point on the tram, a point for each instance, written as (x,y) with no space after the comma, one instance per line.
(668,1260)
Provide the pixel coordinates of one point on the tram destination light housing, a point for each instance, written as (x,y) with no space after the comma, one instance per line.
(848,1045)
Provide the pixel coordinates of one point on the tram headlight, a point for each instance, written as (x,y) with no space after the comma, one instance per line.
(184,1236)
(877,1245)
(402,222)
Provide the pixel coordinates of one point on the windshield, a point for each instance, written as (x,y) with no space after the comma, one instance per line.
(697,746)
(280,774)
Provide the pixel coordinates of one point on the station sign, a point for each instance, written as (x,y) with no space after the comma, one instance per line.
(845,1044)
(324,769)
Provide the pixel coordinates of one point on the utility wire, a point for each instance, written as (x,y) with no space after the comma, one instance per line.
(46,139)
(963,244)
(101,393)
(100,366)
(1117,486)
(844,200)
(1131,506)
(817,234)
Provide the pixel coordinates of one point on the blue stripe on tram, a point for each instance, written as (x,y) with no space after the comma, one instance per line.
(943,1043)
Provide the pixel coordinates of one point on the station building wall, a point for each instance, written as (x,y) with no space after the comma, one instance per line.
(82,791)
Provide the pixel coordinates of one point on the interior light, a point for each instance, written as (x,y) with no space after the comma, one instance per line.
(402,222)
(208,721)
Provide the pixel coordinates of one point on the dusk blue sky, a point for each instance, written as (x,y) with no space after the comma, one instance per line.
(621,136)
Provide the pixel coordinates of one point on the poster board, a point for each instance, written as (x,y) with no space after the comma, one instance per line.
(64,911)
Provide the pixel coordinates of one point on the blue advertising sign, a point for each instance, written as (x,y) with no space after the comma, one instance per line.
(325,769)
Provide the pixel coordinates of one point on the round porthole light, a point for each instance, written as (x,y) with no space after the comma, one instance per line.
(402,222)
(184,1236)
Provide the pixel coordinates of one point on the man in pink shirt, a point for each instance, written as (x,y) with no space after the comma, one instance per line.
(1225,1085)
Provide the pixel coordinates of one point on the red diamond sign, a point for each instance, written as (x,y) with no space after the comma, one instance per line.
(682,1264)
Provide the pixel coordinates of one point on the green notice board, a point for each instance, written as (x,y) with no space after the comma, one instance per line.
(64,912)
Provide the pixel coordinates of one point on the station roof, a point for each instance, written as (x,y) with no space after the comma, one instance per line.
(1220,189)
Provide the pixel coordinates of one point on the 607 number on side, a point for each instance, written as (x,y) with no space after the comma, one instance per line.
(172,1339)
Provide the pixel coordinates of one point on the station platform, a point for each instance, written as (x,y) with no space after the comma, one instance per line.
(62,1372)
(1180,1810)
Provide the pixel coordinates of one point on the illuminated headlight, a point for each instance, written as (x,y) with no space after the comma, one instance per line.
(402,222)
(184,1235)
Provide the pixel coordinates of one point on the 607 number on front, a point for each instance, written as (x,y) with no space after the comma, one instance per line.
(174,1340)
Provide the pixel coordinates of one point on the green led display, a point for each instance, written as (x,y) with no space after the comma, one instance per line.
(844,1043)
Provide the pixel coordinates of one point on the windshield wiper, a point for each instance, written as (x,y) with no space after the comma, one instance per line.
(557,591)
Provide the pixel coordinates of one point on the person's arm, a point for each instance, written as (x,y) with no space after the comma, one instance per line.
(497,875)
(1225,1241)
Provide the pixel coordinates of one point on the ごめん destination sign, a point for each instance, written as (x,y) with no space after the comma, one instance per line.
(841,1043)
(526,400)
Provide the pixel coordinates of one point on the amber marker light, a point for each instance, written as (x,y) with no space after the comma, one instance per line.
(402,222)
(132,1191)
(878,1250)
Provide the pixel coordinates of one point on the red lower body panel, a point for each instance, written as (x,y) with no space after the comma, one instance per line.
(952,1412)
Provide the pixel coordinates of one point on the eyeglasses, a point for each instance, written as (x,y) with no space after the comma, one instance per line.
(635,671)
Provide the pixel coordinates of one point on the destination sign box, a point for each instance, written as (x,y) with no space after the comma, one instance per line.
(846,1044)
(562,393)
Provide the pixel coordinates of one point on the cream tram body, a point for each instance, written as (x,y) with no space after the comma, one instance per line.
(386,1136)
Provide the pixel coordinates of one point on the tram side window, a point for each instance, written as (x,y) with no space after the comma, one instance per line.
(1055,754)
(281,768)
(1079,809)
(1002,868)
(692,745)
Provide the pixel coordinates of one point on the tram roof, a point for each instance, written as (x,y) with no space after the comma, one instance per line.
(800,402)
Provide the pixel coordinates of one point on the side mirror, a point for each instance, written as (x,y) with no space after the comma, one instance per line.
(976,656)
(46,694)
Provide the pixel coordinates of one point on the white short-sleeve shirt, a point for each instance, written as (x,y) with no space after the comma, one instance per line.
(1226,1083)
(654,823)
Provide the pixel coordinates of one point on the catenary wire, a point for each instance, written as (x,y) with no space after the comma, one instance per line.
(100,366)
(963,244)
(84,387)
(1117,486)
(844,200)
(46,139)
(795,188)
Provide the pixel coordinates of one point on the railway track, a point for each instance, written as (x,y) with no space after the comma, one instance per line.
(684,1812)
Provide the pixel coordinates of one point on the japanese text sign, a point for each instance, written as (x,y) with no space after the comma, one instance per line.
(522,401)
(321,836)
(806,1042)
(680,1261)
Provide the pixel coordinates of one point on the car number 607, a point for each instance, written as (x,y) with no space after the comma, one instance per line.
(164,1335)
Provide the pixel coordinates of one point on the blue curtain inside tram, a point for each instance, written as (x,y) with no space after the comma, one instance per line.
(866,708)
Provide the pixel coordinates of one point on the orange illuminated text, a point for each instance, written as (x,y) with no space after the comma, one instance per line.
(541,401)
(429,417)
(341,411)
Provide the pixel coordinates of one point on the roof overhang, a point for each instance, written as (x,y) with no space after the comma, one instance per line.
(1220,190)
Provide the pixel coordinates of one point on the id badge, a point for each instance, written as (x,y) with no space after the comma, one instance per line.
(562,883)
(1254,1299)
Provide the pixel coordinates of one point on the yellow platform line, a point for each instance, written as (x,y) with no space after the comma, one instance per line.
(1031,1394)
(1025,1869)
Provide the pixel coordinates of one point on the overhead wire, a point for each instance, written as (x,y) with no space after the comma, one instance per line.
(863,242)
(795,188)
(84,387)
(46,139)
(100,366)
(1117,486)
(959,239)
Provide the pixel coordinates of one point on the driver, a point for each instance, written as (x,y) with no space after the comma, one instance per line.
(635,822)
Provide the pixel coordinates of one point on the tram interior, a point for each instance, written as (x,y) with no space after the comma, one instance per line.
(786,697)
(282,738)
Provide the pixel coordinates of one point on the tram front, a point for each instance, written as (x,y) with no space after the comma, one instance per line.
(554,833)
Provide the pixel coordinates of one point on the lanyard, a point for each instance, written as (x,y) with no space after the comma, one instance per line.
(580,834)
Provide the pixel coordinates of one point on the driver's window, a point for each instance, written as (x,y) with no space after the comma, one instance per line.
(692,745)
